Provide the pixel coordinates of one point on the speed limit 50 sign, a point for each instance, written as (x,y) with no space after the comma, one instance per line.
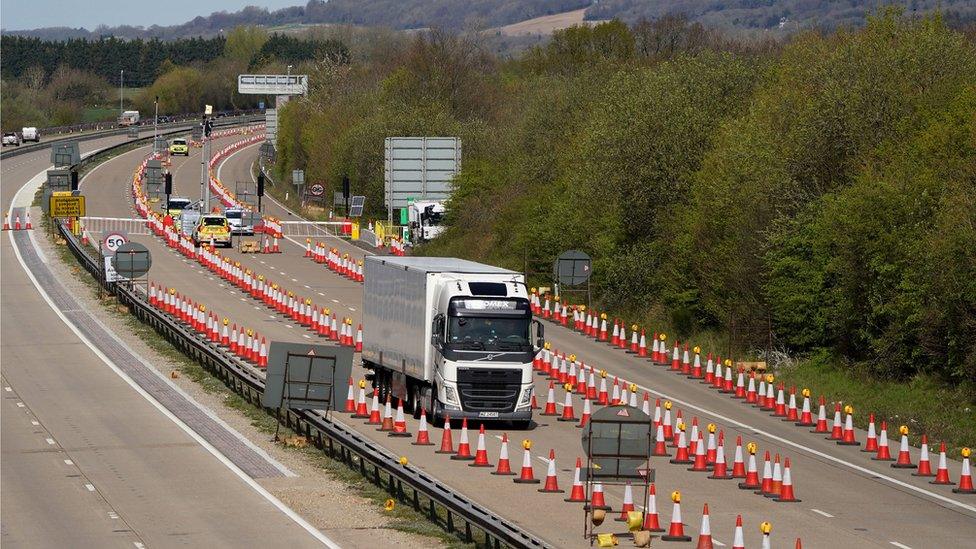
(112,240)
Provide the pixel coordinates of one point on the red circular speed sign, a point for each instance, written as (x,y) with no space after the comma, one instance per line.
(112,241)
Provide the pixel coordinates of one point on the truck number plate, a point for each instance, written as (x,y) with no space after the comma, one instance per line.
(487,414)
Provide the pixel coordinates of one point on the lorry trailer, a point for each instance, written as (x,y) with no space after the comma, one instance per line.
(451,336)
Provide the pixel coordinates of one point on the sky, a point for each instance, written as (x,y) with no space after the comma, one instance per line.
(32,14)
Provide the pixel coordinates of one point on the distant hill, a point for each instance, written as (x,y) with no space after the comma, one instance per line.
(485,14)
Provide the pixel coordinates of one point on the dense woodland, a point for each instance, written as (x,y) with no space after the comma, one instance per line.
(815,197)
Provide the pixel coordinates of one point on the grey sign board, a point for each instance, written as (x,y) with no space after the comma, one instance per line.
(421,168)
(271,126)
(58,180)
(298,177)
(132,260)
(573,268)
(246,192)
(617,440)
(306,375)
(65,153)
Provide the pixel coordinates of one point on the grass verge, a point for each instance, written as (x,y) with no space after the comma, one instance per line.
(402,518)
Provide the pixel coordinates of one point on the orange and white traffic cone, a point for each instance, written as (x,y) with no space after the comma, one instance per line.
(597,500)
(568,413)
(821,426)
(528,475)
(677,530)
(359,339)
(504,465)
(481,453)
(652,522)
(837,431)
(585,418)
(924,465)
(361,411)
(628,504)
(681,456)
(942,473)
(752,474)
(738,540)
(720,469)
(30,226)
(423,435)
(578,493)
(965,476)
(603,398)
(738,465)
(464,447)
(263,354)
(660,443)
(552,483)
(786,494)
(387,423)
(884,453)
(705,532)
(374,410)
(447,443)
(399,423)
(904,460)
(701,462)
(848,436)
(351,398)
(766,487)
(871,443)
(550,402)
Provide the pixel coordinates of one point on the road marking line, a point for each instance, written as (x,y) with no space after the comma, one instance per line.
(68,462)
(90,487)
(353,309)
(901,545)
(717,542)
(295,280)
(306,336)
(113,515)
(138,545)
(34,423)
(50,441)
(335,300)
(20,404)
(8,389)
(824,513)
(321,294)
(307,286)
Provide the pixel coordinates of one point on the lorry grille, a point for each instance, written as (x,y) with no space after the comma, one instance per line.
(489,389)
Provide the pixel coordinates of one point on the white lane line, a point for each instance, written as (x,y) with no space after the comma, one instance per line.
(282,273)
(307,287)
(8,389)
(717,542)
(50,441)
(113,515)
(353,309)
(287,511)
(20,404)
(34,423)
(138,545)
(68,462)
(296,280)
(306,336)
(321,294)
(901,545)
(335,300)
(89,487)
(824,513)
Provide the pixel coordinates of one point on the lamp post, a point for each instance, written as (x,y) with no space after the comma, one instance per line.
(121,76)
(155,123)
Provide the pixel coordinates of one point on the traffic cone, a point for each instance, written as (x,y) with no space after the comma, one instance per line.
(740,385)
(359,339)
(263,354)
(400,423)
(568,413)
(751,396)
(29,226)
(837,431)
(776,481)
(351,398)
(615,395)
(884,454)
(676,436)
(361,411)
(628,504)
(779,410)
(646,404)
(585,418)
(677,530)
(374,411)
(871,443)
(550,401)
(705,533)
(578,493)
(464,447)
(720,468)
(676,358)
(552,483)
(848,437)
(738,541)
(942,473)
(701,463)
(738,466)
(821,426)
(423,435)
(752,475)
(603,398)
(447,443)
(965,476)
(681,456)
(527,476)
(766,485)
(387,423)
(660,443)
(481,453)
(504,466)
(924,465)
(791,411)
(786,490)
(597,500)
(652,522)
(904,460)
(17,223)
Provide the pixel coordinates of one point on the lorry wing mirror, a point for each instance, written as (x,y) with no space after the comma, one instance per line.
(540,334)
(437,330)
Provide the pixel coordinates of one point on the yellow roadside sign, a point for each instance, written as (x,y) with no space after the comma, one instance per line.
(67,206)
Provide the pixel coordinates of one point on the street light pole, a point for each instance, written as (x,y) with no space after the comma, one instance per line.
(155,123)
(121,77)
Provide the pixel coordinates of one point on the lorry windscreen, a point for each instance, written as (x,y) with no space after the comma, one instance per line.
(489,333)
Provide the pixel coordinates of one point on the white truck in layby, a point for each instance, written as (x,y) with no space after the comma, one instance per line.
(451,336)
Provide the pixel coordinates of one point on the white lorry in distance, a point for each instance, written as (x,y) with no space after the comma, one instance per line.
(426,220)
(129,118)
(30,134)
(451,336)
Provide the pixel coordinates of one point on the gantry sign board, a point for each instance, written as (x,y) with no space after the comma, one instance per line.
(271,126)
(272,84)
(419,168)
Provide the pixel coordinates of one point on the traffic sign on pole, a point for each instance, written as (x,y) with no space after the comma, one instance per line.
(112,241)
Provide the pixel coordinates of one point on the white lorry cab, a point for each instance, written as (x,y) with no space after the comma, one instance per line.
(426,220)
(129,118)
(451,336)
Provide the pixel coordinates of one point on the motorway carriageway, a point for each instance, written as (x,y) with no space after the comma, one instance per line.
(847,499)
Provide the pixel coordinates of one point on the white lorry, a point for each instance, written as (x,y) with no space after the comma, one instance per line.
(426,220)
(129,118)
(451,336)
(30,134)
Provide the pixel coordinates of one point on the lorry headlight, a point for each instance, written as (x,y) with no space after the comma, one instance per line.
(526,397)
(450,396)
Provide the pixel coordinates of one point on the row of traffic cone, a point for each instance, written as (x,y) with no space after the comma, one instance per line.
(11,222)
